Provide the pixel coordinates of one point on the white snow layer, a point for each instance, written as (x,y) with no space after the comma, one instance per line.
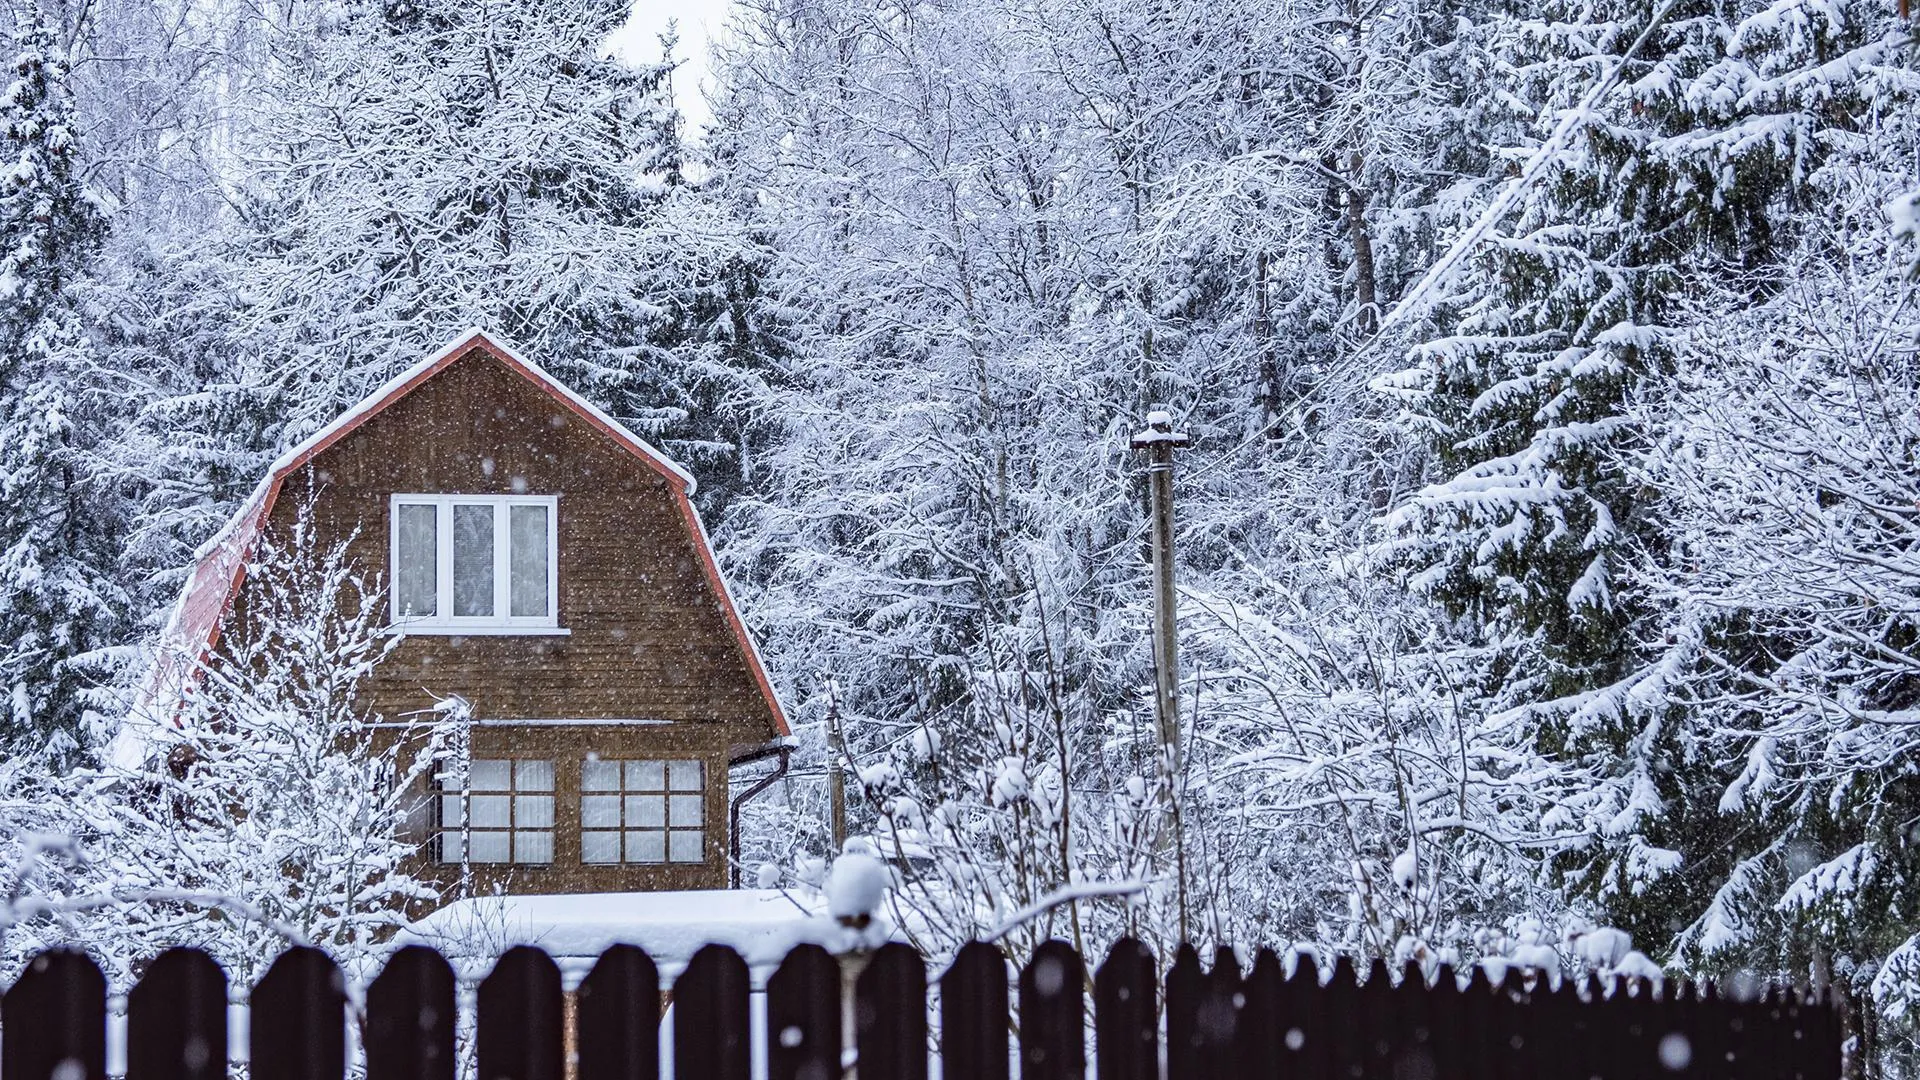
(855,886)
(762,925)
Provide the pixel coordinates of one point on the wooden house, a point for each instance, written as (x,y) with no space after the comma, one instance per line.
(544,564)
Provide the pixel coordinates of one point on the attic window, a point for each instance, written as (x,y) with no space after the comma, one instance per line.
(474,563)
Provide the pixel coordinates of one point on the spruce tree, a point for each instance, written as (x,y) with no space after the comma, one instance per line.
(1530,529)
(1674,202)
(58,604)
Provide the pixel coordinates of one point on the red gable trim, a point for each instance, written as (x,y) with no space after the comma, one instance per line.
(194,628)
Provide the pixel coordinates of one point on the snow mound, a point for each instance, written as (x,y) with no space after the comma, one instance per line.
(1635,965)
(856,886)
(1602,948)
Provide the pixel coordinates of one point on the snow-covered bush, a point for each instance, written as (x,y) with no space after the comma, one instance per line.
(268,807)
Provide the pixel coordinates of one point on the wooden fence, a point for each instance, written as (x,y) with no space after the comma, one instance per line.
(1216,1025)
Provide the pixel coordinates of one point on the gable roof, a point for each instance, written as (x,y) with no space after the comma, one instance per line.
(193,626)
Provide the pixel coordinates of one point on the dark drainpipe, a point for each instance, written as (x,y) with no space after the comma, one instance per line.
(733,813)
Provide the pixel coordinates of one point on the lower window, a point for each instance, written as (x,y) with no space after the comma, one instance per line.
(642,811)
(509,813)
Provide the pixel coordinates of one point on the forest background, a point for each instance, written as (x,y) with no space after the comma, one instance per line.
(1549,544)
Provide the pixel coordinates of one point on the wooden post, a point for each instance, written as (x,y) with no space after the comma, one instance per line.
(1159,440)
(836,768)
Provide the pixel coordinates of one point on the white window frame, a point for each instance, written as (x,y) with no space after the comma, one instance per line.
(444,621)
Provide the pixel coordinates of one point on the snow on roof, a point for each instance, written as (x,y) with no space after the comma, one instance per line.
(762,925)
(193,626)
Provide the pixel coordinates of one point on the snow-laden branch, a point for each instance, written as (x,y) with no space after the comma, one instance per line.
(1059,898)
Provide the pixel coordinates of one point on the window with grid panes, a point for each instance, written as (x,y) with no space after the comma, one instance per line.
(509,813)
(642,811)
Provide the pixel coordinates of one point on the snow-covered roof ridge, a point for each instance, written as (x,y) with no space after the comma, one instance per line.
(193,625)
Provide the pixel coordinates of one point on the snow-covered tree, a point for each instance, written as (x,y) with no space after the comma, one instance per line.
(1789,591)
(60,608)
(1673,156)
(993,241)
(421,167)
(270,806)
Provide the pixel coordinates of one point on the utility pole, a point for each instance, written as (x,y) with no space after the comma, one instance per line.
(836,769)
(1159,440)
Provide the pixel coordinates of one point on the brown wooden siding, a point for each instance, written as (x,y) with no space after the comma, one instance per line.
(648,639)
(567,747)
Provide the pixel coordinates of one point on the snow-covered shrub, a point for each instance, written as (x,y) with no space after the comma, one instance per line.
(268,808)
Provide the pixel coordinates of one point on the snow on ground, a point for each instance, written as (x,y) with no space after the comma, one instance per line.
(762,925)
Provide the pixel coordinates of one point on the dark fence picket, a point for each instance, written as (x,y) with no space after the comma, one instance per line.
(1713,1042)
(617,1017)
(1621,1044)
(1791,1034)
(1126,1019)
(177,1019)
(1802,1060)
(1217,1022)
(803,1016)
(1412,1025)
(890,1015)
(974,1015)
(54,1020)
(1640,1048)
(1594,1038)
(296,1024)
(520,1031)
(1346,1042)
(1445,1021)
(1725,1010)
(410,1018)
(1480,1040)
(1258,1040)
(1186,982)
(1052,1014)
(1379,1041)
(1513,1036)
(710,1018)
(1680,1034)
(1823,1049)
(1307,1035)
(1558,1050)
